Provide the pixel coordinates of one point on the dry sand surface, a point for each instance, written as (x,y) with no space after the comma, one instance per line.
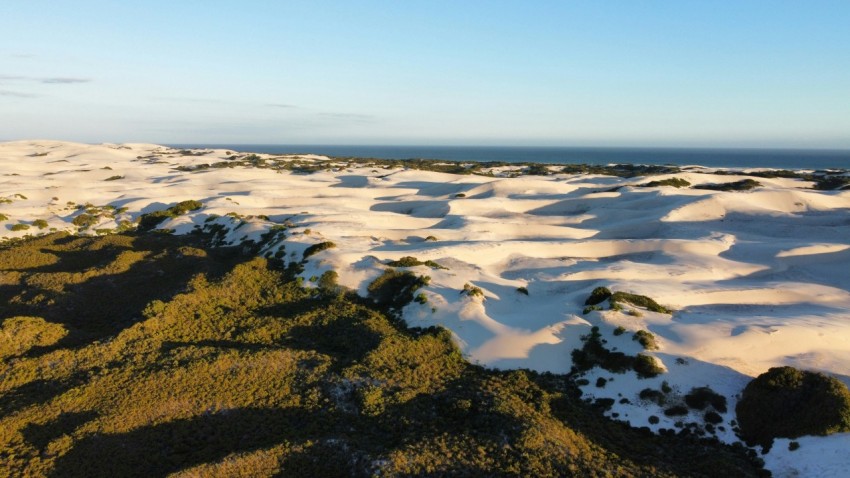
(756,278)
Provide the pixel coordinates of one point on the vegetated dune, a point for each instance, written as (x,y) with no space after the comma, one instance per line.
(757,278)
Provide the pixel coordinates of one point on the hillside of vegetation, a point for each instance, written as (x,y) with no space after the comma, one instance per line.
(156,355)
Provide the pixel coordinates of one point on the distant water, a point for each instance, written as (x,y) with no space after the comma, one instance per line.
(722,158)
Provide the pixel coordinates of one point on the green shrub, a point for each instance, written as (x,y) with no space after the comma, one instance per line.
(646,339)
(4,217)
(789,403)
(742,185)
(638,300)
(40,223)
(620,330)
(598,295)
(591,308)
(472,291)
(522,290)
(394,288)
(316,248)
(647,366)
(410,261)
(114,178)
(20,227)
(328,281)
(675,182)
(149,221)
(676,411)
(701,397)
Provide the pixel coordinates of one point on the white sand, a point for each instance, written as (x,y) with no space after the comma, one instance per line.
(758,279)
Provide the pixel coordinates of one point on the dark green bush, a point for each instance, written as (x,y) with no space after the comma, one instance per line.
(646,366)
(675,182)
(522,290)
(742,185)
(598,295)
(676,411)
(40,223)
(787,402)
(410,261)
(638,300)
(701,397)
(150,220)
(620,330)
(316,248)
(20,227)
(394,288)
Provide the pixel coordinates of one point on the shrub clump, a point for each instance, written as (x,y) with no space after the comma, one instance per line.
(410,261)
(472,291)
(598,295)
(675,182)
(394,289)
(152,219)
(647,366)
(787,402)
(20,227)
(638,300)
(40,223)
(701,397)
(742,185)
(317,248)
(646,339)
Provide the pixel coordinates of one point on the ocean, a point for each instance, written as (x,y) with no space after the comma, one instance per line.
(717,158)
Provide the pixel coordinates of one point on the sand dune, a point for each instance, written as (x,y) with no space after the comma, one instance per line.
(757,278)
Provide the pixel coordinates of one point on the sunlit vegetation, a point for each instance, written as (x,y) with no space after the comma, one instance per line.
(472,291)
(150,220)
(410,261)
(147,355)
(646,339)
(594,354)
(674,182)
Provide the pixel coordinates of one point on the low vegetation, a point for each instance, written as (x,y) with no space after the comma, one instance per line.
(149,221)
(394,288)
(317,248)
(410,261)
(742,185)
(674,182)
(788,402)
(151,355)
(594,354)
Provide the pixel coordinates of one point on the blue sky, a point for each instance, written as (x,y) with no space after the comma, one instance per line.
(596,73)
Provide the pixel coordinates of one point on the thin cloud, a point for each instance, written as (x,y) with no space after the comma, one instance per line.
(280,105)
(192,100)
(64,80)
(350,116)
(17,94)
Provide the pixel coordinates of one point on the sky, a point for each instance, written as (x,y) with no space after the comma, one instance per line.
(539,73)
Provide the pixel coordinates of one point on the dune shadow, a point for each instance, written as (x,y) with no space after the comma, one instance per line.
(421,209)
(353,181)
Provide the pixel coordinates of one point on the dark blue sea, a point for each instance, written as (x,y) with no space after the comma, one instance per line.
(721,158)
